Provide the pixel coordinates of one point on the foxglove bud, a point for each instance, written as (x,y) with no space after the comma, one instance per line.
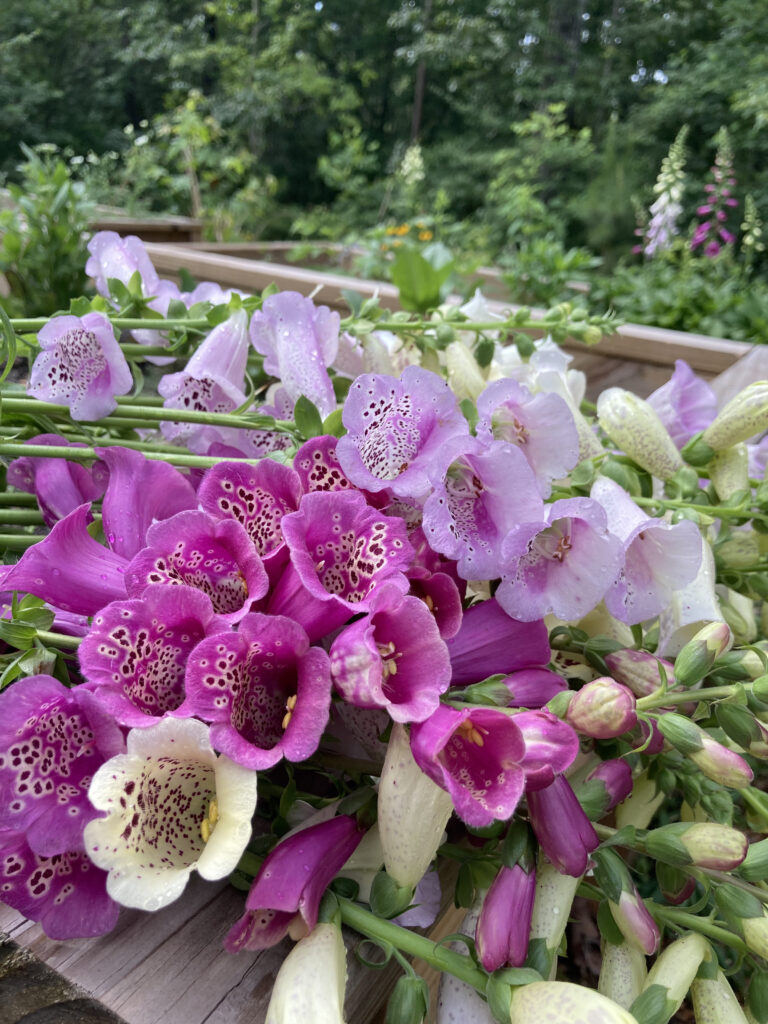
(701,652)
(757,1003)
(676,886)
(642,803)
(627,908)
(309,987)
(742,418)
(622,973)
(604,787)
(639,671)
(716,761)
(705,844)
(464,374)
(409,1001)
(602,709)
(560,1002)
(739,612)
(740,551)
(729,471)
(713,998)
(675,970)
(551,905)
(746,914)
(743,728)
(635,427)
(502,935)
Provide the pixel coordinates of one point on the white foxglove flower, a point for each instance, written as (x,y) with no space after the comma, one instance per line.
(309,987)
(560,1002)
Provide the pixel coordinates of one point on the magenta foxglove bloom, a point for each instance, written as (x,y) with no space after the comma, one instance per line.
(195,550)
(52,740)
(115,257)
(65,892)
(340,550)
(136,653)
(234,443)
(58,484)
(490,641)
(659,558)
(563,565)
(287,891)
(394,658)
(298,341)
(81,365)
(685,405)
(504,925)
(562,828)
(318,466)
(551,747)
(533,687)
(481,493)
(440,594)
(541,425)
(395,428)
(266,692)
(476,755)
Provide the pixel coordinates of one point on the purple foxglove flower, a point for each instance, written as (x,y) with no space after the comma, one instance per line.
(395,428)
(533,687)
(81,365)
(266,692)
(292,881)
(65,892)
(52,740)
(257,497)
(686,404)
(615,777)
(541,425)
(136,653)
(394,658)
(210,291)
(139,493)
(551,747)
(659,558)
(234,443)
(298,341)
(602,709)
(116,257)
(440,594)
(340,550)
(504,924)
(563,565)
(193,549)
(476,755)
(69,569)
(318,466)
(481,493)
(172,806)
(490,641)
(60,486)
(562,828)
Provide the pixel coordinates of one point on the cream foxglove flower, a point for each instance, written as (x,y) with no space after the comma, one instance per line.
(309,988)
(560,1002)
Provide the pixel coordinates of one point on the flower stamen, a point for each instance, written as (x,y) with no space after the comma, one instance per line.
(208,824)
(290,705)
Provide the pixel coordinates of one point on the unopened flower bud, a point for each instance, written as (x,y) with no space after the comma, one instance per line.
(701,652)
(622,973)
(627,908)
(311,979)
(696,452)
(639,671)
(739,612)
(676,968)
(561,1002)
(676,886)
(746,914)
(729,471)
(409,1001)
(757,1000)
(740,725)
(501,937)
(706,844)
(635,427)
(742,417)
(602,709)
(713,998)
(716,761)
(464,375)
(740,551)
(604,788)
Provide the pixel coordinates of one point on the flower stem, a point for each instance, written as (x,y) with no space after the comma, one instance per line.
(17,541)
(58,639)
(87,454)
(27,326)
(663,700)
(682,919)
(15,516)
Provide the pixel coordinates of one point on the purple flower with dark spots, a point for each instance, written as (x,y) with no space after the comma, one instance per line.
(394,429)
(195,550)
(317,464)
(234,443)
(490,642)
(562,828)
(59,485)
(501,937)
(394,658)
(286,893)
(476,755)
(340,550)
(136,653)
(81,365)
(685,405)
(266,692)
(52,741)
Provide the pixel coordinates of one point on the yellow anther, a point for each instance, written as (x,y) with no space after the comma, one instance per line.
(205,830)
(429,602)
(208,824)
(290,704)
(470,733)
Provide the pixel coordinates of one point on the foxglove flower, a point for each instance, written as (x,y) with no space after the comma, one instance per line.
(745,416)
(676,967)
(113,256)
(533,687)
(622,973)
(490,642)
(309,987)
(691,608)
(562,828)
(627,908)
(394,429)
(287,891)
(298,341)
(59,485)
(640,671)
(685,405)
(634,426)
(393,658)
(317,464)
(171,806)
(605,787)
(81,365)
(602,709)
(440,594)
(551,747)
(266,692)
(505,920)
(560,1002)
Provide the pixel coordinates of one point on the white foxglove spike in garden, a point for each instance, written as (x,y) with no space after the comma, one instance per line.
(309,988)
(172,806)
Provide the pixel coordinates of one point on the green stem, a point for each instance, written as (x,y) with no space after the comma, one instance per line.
(87,454)
(669,698)
(27,326)
(714,510)
(26,516)
(439,957)
(682,919)
(58,639)
(17,541)
(17,498)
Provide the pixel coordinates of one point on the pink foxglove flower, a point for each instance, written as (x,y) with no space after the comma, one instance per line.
(551,747)
(561,826)
(490,641)
(59,485)
(113,256)
(504,924)
(317,464)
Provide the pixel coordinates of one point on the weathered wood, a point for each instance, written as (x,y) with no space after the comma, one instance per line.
(151,229)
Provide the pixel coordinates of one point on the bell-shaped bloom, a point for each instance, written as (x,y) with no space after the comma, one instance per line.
(440,594)
(193,549)
(691,608)
(80,365)
(562,828)
(551,747)
(622,973)
(659,558)
(602,709)
(318,465)
(475,754)
(113,256)
(685,405)
(340,550)
(541,425)
(309,987)
(676,967)
(59,485)
(266,692)
(490,641)
(560,1002)
(533,687)
(235,443)
(298,341)
(635,428)
(136,653)
(65,892)
(481,492)
(395,428)
(171,806)
(291,883)
(394,658)
(713,998)
(563,565)
(505,920)
(52,740)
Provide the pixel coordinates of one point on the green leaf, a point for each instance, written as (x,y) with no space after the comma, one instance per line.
(333,424)
(309,423)
(608,928)
(417,280)
(388,899)
(652,1006)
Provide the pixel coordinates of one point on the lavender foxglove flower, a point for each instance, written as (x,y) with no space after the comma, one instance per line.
(394,658)
(504,924)
(115,257)
(490,641)
(235,443)
(172,806)
(59,485)
(666,208)
(562,828)
(287,891)
(81,365)
(266,692)
(685,405)
(298,341)
(394,429)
